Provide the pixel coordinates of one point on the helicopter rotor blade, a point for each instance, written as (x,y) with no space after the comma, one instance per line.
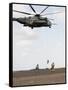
(51,13)
(44,9)
(22,12)
(32,8)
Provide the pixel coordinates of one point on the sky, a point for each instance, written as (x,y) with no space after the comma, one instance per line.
(37,45)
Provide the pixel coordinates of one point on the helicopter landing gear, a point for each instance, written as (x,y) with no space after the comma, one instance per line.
(49,26)
(31,27)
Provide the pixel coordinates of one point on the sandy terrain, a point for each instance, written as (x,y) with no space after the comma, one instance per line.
(37,77)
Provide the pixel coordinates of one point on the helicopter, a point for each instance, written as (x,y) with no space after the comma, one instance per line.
(37,20)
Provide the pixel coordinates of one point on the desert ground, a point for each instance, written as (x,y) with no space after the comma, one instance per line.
(39,77)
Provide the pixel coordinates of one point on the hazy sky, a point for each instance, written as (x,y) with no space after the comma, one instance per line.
(37,45)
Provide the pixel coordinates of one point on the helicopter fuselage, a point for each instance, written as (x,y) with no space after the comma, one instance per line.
(35,21)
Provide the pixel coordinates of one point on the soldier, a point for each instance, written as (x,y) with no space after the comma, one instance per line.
(37,67)
(47,64)
(47,61)
(52,66)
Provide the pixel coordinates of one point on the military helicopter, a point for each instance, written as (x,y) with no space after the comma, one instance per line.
(37,20)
